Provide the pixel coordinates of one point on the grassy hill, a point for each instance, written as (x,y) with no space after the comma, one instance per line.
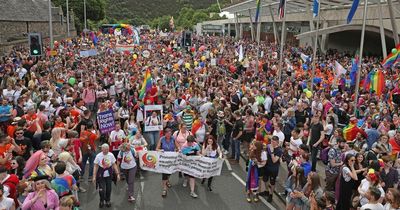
(139,12)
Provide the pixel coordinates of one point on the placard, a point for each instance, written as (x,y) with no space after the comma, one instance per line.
(153,118)
(106,121)
(171,162)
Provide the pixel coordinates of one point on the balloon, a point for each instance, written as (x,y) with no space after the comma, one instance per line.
(305,67)
(305,90)
(187,65)
(55,43)
(195,63)
(203,58)
(163,50)
(72,81)
(176,66)
(202,48)
(394,50)
(308,94)
(202,64)
(192,49)
(134,56)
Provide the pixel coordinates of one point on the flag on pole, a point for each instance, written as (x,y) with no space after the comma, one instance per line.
(352,11)
(316,8)
(375,81)
(353,72)
(305,58)
(392,58)
(281,9)
(146,85)
(339,69)
(258,10)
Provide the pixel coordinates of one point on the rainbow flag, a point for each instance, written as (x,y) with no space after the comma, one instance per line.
(350,131)
(258,10)
(196,126)
(375,81)
(392,58)
(146,85)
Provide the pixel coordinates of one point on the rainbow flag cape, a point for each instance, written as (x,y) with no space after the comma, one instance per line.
(196,126)
(392,58)
(146,85)
(375,82)
(352,129)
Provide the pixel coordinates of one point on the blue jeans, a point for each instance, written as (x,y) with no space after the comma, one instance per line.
(235,149)
(85,157)
(152,138)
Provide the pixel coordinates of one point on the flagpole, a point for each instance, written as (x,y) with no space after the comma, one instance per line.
(314,58)
(360,56)
(282,39)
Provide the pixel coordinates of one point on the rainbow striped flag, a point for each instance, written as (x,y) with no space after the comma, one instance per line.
(258,10)
(196,126)
(375,81)
(146,85)
(392,58)
(350,131)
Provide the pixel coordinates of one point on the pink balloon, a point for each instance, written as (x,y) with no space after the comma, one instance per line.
(202,48)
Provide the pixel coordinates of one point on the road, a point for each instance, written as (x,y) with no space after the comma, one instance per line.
(228,194)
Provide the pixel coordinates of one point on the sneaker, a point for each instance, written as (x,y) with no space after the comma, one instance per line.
(108,204)
(193,194)
(255,198)
(226,152)
(248,198)
(263,193)
(184,183)
(131,199)
(269,199)
(101,205)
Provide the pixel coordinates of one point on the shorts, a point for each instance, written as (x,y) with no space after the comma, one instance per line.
(165,176)
(261,171)
(270,175)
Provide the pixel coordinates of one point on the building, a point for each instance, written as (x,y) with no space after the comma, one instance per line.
(333,31)
(20,17)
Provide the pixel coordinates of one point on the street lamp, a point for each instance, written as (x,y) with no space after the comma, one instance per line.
(84,12)
(50,25)
(67,20)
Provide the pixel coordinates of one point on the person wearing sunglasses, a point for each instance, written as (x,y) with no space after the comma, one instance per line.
(24,143)
(348,177)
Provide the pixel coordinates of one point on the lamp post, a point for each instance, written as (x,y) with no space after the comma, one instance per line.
(67,19)
(50,25)
(84,12)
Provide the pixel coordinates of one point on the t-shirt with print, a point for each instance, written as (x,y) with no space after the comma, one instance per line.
(105,161)
(127,159)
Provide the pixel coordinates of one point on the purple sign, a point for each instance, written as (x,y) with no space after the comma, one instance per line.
(106,121)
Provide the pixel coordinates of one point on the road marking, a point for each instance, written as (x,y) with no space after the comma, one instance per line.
(261,198)
(228,165)
(139,197)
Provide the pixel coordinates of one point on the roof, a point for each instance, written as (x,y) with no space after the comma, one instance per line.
(26,10)
(293,6)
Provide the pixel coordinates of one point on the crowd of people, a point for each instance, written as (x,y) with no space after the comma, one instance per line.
(214,105)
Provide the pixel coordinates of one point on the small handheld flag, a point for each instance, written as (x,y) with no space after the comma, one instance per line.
(146,85)
(316,8)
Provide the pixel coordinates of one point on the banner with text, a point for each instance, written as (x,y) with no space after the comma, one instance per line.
(106,121)
(171,162)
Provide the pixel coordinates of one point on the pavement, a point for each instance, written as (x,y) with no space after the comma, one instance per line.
(228,194)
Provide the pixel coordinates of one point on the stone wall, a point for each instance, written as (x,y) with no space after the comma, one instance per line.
(15,32)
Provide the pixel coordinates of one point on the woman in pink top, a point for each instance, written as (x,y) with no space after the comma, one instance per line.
(89,96)
(181,135)
(43,197)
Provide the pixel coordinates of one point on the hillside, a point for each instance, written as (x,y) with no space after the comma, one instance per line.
(139,12)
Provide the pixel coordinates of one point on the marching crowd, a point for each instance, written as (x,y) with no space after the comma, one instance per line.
(213,105)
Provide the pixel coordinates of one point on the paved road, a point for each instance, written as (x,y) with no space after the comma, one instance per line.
(228,194)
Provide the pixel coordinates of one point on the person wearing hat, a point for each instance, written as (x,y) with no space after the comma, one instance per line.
(43,196)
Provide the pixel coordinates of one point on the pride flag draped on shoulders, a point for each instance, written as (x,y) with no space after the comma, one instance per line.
(351,130)
(146,85)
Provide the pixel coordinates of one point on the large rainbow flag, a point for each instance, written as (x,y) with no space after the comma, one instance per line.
(146,85)
(351,130)
(196,126)
(392,58)
(375,81)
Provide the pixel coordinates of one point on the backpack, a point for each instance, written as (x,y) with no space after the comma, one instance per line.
(221,130)
(324,155)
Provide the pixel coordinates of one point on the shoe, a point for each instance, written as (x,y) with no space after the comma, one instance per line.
(255,198)
(82,190)
(185,183)
(169,185)
(269,199)
(131,199)
(108,204)
(101,205)
(193,194)
(164,194)
(209,188)
(225,152)
(202,181)
(248,198)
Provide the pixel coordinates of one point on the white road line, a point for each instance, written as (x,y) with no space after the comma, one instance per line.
(228,165)
(261,198)
(139,197)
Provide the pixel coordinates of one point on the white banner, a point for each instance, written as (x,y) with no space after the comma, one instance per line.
(171,162)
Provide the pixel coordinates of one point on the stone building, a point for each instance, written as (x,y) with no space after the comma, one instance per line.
(20,17)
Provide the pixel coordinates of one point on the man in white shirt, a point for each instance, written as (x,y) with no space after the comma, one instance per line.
(116,138)
(278,132)
(295,142)
(21,72)
(373,195)
(267,102)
